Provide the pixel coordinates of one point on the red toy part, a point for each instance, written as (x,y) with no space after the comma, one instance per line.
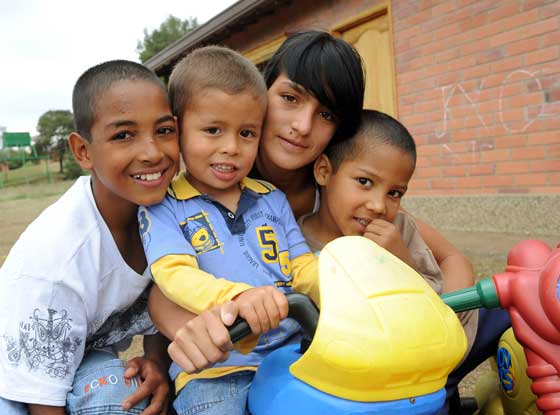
(529,289)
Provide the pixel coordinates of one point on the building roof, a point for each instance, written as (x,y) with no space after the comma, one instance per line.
(233,19)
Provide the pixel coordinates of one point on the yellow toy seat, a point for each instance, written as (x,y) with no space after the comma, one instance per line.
(383,333)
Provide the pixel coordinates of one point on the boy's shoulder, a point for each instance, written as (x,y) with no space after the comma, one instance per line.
(63,233)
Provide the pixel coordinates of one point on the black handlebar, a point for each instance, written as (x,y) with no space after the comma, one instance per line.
(300,308)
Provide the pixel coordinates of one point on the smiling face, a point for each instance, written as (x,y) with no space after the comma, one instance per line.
(368,187)
(134,150)
(219,141)
(297,127)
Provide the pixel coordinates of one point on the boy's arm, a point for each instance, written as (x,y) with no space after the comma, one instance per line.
(180,279)
(173,262)
(457,269)
(40,362)
(305,276)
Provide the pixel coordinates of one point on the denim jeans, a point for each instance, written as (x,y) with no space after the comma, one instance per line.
(218,396)
(99,388)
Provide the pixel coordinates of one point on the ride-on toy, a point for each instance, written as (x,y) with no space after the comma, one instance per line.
(385,342)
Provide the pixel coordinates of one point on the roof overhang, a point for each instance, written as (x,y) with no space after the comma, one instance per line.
(232,20)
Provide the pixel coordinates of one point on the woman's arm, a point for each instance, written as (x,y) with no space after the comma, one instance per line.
(167,316)
(197,341)
(457,269)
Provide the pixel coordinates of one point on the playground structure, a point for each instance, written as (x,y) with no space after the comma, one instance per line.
(26,159)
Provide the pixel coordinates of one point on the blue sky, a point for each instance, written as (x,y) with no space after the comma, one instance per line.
(45,45)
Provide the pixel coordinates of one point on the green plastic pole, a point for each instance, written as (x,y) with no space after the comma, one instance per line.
(482,294)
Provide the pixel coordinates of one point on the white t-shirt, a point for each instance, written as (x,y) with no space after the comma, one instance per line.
(64,289)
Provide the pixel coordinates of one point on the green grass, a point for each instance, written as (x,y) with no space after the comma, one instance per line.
(28,173)
(39,189)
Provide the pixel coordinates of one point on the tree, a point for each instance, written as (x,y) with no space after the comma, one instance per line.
(54,127)
(169,31)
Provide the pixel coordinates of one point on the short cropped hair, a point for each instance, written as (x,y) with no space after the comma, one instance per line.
(91,85)
(212,67)
(375,128)
(327,67)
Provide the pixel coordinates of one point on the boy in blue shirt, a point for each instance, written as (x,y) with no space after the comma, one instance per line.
(220,236)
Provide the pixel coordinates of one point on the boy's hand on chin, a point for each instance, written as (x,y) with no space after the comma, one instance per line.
(153,384)
(386,235)
(262,307)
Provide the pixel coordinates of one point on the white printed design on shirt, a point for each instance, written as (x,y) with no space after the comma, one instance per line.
(44,344)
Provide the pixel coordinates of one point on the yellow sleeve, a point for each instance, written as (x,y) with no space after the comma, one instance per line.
(305,276)
(180,280)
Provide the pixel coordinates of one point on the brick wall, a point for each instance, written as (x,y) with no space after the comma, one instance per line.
(479,88)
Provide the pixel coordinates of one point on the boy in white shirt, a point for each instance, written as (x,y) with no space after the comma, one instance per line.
(71,287)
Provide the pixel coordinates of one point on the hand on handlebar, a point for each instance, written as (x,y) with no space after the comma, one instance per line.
(262,307)
(204,340)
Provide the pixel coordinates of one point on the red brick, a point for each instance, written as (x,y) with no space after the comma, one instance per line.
(490,55)
(475,46)
(461,63)
(535,98)
(426,172)
(544,137)
(417,184)
(507,64)
(543,55)
(467,158)
(496,155)
(530,179)
(494,181)
(443,183)
(429,150)
(421,39)
(554,179)
(477,71)
(443,8)
(470,182)
(540,27)
(551,39)
(509,167)
(418,18)
(553,152)
(531,4)
(455,171)
(523,46)
(447,55)
(482,169)
(510,9)
(552,9)
(528,153)
(508,141)
(545,165)
(505,38)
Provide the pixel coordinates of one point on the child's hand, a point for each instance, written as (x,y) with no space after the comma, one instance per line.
(204,340)
(154,384)
(386,235)
(262,307)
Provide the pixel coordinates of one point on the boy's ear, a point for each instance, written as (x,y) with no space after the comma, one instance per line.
(322,170)
(80,148)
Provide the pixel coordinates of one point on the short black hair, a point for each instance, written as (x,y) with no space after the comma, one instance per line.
(327,67)
(375,128)
(91,85)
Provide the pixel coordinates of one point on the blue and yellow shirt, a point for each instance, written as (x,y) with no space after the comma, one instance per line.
(202,254)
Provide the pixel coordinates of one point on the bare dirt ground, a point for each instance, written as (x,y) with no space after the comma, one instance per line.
(20,205)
